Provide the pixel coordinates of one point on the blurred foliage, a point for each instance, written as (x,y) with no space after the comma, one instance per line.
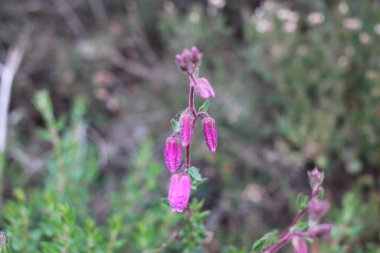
(57,217)
(297,85)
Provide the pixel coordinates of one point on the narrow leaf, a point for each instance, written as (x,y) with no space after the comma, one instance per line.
(204,106)
(175,125)
(194,174)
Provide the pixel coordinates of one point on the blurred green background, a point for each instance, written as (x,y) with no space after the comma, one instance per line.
(297,85)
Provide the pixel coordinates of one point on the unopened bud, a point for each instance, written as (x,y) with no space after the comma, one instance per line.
(203,88)
(210,134)
(299,245)
(321,230)
(317,208)
(179,192)
(187,56)
(195,55)
(173,154)
(316,178)
(186,128)
(180,62)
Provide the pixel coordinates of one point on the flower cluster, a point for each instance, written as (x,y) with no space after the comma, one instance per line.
(299,231)
(316,209)
(180,182)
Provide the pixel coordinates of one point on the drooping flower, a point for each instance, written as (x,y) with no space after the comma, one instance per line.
(186,128)
(299,245)
(210,134)
(173,154)
(203,88)
(179,192)
(320,230)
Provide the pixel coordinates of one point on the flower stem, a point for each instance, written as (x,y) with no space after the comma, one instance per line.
(194,113)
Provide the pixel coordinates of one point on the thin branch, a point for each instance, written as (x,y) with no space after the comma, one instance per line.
(7,75)
(72,20)
(99,11)
(31,165)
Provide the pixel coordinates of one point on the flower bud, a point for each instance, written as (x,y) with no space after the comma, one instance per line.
(195,55)
(187,56)
(299,245)
(316,178)
(320,230)
(179,192)
(173,154)
(203,88)
(317,208)
(186,128)
(209,132)
(180,62)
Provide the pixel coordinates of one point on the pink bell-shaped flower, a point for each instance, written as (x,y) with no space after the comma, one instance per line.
(317,208)
(209,132)
(299,245)
(203,88)
(173,154)
(179,192)
(186,128)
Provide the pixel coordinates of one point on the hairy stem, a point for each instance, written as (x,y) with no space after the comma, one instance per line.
(279,244)
(187,156)
(294,222)
(194,113)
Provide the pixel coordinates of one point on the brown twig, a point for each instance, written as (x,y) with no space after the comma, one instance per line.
(73,21)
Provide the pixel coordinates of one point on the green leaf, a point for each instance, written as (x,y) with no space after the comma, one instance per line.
(175,125)
(302,201)
(258,245)
(196,184)
(204,106)
(300,226)
(196,73)
(194,174)
(60,124)
(321,193)
(165,201)
(267,239)
(43,134)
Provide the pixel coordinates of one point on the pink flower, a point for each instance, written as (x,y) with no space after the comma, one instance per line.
(203,88)
(195,55)
(299,245)
(316,177)
(320,230)
(186,128)
(185,59)
(318,208)
(179,192)
(173,154)
(209,132)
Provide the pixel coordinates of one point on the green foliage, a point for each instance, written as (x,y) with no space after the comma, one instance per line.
(204,106)
(320,87)
(175,125)
(265,240)
(302,201)
(57,217)
(309,95)
(194,232)
(196,178)
(356,221)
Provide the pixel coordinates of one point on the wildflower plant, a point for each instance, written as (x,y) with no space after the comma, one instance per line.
(184,176)
(301,231)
